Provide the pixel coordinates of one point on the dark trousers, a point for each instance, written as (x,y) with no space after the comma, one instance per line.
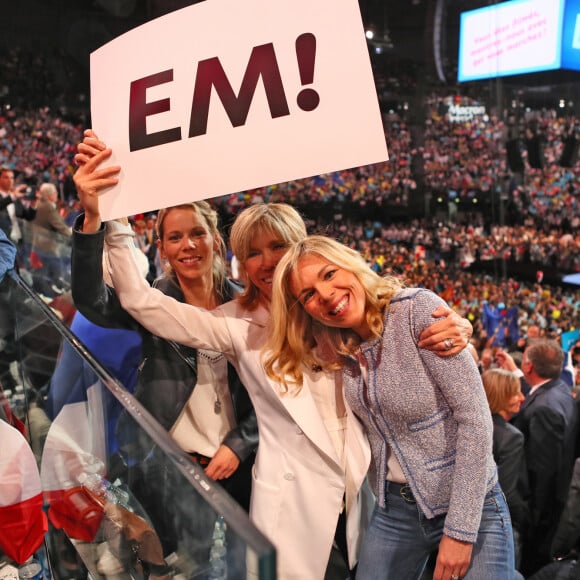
(337,568)
(239,484)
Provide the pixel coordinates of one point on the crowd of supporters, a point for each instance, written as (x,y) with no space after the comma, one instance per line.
(465,156)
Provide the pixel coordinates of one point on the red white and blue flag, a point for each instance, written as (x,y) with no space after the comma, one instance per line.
(22,520)
(73,452)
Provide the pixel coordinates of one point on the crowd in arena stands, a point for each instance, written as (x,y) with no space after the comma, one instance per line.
(422,257)
(38,145)
(464,156)
(469,157)
(476,242)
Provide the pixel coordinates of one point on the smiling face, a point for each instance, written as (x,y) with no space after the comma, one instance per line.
(264,252)
(187,245)
(333,296)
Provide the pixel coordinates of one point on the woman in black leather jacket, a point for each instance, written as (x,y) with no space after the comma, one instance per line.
(195,395)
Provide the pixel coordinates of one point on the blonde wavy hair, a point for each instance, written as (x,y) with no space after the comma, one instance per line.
(295,338)
(278,219)
(210,218)
(500,386)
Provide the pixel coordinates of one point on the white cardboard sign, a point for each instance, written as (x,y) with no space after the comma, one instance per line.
(229,95)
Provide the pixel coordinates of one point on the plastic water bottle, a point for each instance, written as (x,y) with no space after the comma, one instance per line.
(104,488)
(30,570)
(218,551)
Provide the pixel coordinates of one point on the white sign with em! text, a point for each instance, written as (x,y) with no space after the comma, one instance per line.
(229,95)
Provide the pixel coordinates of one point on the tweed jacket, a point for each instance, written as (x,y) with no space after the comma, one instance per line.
(430,411)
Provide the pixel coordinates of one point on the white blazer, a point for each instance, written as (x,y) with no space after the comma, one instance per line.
(299,481)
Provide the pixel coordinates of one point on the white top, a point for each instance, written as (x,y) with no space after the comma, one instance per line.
(208,416)
(330,405)
(394,469)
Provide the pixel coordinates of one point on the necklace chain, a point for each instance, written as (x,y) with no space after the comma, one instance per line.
(213,358)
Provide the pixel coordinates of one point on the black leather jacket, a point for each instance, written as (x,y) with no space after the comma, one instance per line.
(168,371)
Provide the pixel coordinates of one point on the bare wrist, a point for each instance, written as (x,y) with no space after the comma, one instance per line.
(91,224)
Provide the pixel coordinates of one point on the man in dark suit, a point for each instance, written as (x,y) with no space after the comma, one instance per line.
(11,206)
(548,421)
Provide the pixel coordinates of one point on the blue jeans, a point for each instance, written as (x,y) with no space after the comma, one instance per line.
(400,539)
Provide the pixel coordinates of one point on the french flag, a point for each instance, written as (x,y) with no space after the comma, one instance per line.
(74,451)
(82,434)
(22,521)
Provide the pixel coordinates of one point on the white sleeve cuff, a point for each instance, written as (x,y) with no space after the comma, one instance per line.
(118,232)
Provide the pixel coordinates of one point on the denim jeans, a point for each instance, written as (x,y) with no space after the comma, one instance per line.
(400,538)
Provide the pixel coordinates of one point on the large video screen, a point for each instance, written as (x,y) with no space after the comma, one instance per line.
(571,36)
(516,37)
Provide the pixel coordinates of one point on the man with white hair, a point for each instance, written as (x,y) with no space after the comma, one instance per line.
(50,237)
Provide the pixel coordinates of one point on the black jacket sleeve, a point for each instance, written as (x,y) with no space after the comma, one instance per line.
(545,449)
(243,438)
(5,201)
(24,212)
(509,454)
(92,297)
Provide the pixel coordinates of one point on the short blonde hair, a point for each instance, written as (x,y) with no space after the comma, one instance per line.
(279,219)
(295,338)
(500,386)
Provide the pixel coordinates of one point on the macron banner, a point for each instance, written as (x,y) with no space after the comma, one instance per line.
(229,95)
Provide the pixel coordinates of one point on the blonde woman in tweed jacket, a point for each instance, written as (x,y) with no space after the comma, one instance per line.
(427,418)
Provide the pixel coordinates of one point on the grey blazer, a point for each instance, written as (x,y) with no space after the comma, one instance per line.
(430,411)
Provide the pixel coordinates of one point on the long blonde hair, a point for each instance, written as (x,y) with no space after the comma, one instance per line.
(210,218)
(295,338)
(279,219)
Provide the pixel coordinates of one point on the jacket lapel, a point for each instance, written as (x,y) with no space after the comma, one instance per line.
(301,407)
(305,414)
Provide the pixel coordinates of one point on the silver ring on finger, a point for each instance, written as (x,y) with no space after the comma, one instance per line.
(448,342)
(454,576)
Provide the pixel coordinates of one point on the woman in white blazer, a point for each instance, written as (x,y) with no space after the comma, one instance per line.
(312,456)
